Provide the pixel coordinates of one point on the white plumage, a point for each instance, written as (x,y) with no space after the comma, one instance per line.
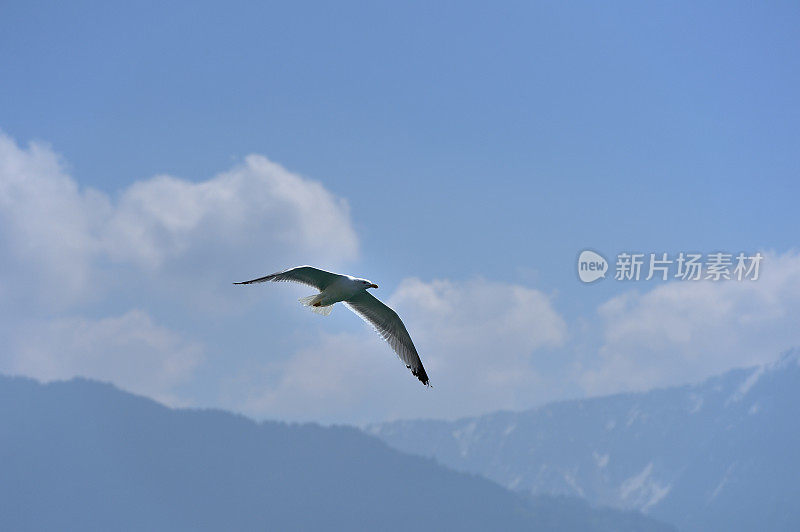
(352,291)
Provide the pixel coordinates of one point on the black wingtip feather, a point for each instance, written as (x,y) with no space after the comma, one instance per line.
(421,375)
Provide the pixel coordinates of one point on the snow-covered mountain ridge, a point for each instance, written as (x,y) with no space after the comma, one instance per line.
(722,454)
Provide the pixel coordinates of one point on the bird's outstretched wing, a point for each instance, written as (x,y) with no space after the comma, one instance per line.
(391,328)
(319,279)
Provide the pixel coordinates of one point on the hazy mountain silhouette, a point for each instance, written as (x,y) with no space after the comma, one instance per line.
(720,455)
(84,455)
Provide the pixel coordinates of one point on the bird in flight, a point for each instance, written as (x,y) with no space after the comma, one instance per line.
(352,291)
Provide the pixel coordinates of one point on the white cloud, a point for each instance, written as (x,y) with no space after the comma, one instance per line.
(129,350)
(685,331)
(483,333)
(162,243)
(170,243)
(61,236)
(480,342)
(258,204)
(339,378)
(48,225)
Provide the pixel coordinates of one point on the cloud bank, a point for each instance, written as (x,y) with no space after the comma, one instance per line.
(130,350)
(480,341)
(490,346)
(685,331)
(67,249)
(134,288)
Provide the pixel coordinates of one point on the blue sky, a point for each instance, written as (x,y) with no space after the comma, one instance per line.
(470,144)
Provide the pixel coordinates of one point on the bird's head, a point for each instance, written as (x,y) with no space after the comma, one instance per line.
(366,284)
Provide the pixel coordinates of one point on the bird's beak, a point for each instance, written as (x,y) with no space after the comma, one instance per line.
(373,285)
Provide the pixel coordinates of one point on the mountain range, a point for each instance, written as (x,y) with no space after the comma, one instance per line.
(83,455)
(723,454)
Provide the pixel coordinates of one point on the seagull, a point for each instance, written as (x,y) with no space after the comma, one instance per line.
(352,291)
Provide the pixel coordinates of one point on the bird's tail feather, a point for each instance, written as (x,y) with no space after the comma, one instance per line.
(309,301)
(324,311)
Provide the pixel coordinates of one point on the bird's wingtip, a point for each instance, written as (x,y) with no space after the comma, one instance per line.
(422,375)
